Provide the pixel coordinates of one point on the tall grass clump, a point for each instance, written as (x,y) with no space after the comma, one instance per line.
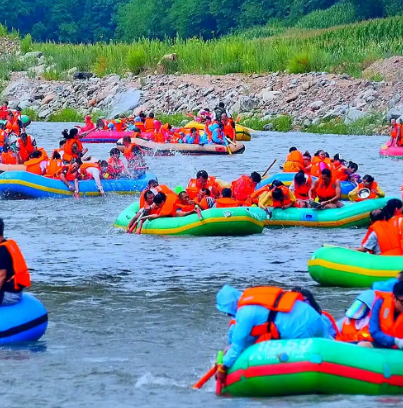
(136,60)
(32,113)
(26,44)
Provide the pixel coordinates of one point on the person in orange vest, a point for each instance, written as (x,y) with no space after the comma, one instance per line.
(243,187)
(229,127)
(265,314)
(139,123)
(72,148)
(386,321)
(14,274)
(8,156)
(102,124)
(307,162)
(193,137)
(144,210)
(327,190)
(339,171)
(319,163)
(226,200)
(368,182)
(4,111)
(149,123)
(155,188)
(164,206)
(300,187)
(3,136)
(116,167)
(89,125)
(383,236)
(26,145)
(13,124)
(92,171)
(54,165)
(283,198)
(37,162)
(204,199)
(207,132)
(203,180)
(71,173)
(294,162)
(395,133)
(184,206)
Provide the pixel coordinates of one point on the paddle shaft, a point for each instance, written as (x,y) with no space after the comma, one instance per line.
(268,169)
(206,377)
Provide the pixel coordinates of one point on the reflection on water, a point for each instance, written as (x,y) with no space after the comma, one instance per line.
(132,320)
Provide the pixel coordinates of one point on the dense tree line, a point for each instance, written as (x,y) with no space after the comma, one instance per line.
(105,20)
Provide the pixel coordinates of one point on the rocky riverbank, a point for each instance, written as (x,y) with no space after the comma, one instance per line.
(309,99)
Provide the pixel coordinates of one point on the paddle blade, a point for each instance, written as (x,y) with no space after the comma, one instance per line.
(206,377)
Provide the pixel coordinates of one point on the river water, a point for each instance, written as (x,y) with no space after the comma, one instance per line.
(132,319)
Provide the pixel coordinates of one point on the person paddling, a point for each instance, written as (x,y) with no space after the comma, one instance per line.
(14,274)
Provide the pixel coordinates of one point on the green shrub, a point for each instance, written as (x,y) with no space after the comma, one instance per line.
(136,60)
(66,115)
(3,31)
(32,113)
(26,44)
(300,63)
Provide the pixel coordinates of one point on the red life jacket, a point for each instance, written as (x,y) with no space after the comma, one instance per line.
(372,195)
(325,192)
(286,197)
(301,192)
(243,188)
(227,202)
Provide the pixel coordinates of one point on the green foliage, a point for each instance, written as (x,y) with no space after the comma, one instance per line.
(339,14)
(300,63)
(26,43)
(174,120)
(136,60)
(281,123)
(32,113)
(3,30)
(66,115)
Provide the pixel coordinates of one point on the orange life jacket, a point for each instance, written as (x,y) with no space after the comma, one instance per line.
(387,321)
(13,127)
(8,158)
(54,168)
(325,193)
(273,299)
(208,132)
(71,175)
(184,207)
(169,208)
(159,137)
(350,333)
(118,124)
(394,131)
(205,203)
(301,192)
(2,138)
(286,197)
(159,189)
(27,149)
(372,195)
(193,188)
(294,162)
(227,202)
(68,154)
(242,188)
(254,197)
(128,152)
(34,165)
(315,169)
(149,125)
(334,324)
(85,166)
(229,129)
(175,138)
(339,173)
(21,275)
(388,237)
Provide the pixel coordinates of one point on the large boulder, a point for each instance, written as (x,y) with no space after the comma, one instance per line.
(124,102)
(245,104)
(269,96)
(352,115)
(33,54)
(395,113)
(82,75)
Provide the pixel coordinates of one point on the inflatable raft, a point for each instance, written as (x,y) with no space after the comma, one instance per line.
(24,321)
(168,149)
(104,136)
(351,215)
(216,221)
(11,167)
(22,184)
(314,366)
(335,266)
(287,179)
(387,150)
(243,134)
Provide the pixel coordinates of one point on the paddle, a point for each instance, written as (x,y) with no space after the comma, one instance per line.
(84,134)
(206,377)
(230,141)
(268,169)
(227,145)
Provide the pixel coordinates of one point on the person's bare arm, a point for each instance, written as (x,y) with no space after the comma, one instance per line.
(3,274)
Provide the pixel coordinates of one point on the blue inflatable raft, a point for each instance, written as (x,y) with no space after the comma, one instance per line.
(22,184)
(287,179)
(24,321)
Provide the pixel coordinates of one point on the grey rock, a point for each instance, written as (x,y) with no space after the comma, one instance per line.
(307,122)
(316,105)
(24,104)
(245,104)
(44,113)
(315,121)
(13,104)
(395,99)
(80,75)
(125,102)
(352,115)
(268,96)
(395,113)
(33,54)
(268,127)
(292,97)
(14,86)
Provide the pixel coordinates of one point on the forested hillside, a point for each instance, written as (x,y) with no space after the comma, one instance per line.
(126,20)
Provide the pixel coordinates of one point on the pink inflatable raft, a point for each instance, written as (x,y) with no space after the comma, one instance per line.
(389,150)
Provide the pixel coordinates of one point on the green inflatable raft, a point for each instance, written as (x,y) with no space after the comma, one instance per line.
(351,215)
(314,366)
(215,221)
(334,266)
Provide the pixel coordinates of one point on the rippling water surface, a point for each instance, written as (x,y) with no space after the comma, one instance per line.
(132,318)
